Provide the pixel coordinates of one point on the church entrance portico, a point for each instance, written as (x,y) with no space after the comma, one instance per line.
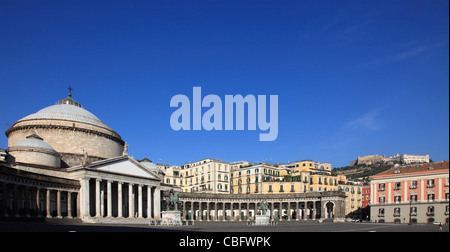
(108,194)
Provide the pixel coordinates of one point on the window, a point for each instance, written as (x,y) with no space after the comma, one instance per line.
(270,188)
(381,187)
(430,183)
(397,199)
(413,184)
(430,211)
(413,198)
(381,212)
(398,186)
(413,211)
(397,211)
(281,188)
(431,197)
(382,199)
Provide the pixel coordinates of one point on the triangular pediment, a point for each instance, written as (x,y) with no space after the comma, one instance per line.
(124,165)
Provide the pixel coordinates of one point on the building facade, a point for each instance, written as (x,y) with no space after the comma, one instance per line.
(63,162)
(207,175)
(411,194)
(267,179)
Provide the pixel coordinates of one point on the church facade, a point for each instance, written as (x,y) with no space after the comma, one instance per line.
(63,162)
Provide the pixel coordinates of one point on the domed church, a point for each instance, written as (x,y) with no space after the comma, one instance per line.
(71,131)
(64,162)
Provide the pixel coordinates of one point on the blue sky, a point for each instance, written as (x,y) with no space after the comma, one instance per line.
(353,77)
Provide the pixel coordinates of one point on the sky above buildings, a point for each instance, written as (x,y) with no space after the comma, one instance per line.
(353,78)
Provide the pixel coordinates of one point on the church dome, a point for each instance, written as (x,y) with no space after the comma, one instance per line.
(34,142)
(34,150)
(70,130)
(68,110)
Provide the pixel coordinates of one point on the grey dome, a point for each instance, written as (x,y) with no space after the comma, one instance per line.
(67,110)
(34,142)
(149,164)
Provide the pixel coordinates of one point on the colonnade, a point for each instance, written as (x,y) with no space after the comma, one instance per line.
(32,200)
(243,211)
(281,207)
(119,199)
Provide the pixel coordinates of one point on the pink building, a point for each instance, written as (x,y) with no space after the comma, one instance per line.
(416,193)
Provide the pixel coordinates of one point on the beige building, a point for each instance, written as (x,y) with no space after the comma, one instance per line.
(413,159)
(207,176)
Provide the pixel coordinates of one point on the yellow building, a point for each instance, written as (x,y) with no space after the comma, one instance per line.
(298,177)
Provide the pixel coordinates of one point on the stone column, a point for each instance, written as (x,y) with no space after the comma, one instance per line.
(208,216)
(183,214)
(97,198)
(248,211)
(289,211)
(216,212)
(84,198)
(109,198)
(200,211)
(49,213)
(38,202)
(140,211)
(58,204)
(314,210)
(119,200)
(224,211)
(271,211)
(239,215)
(157,203)
(130,201)
(297,211)
(69,204)
(27,202)
(5,197)
(149,202)
(192,210)
(280,213)
(15,206)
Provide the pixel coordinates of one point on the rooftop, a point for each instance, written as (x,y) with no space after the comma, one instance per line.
(414,169)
